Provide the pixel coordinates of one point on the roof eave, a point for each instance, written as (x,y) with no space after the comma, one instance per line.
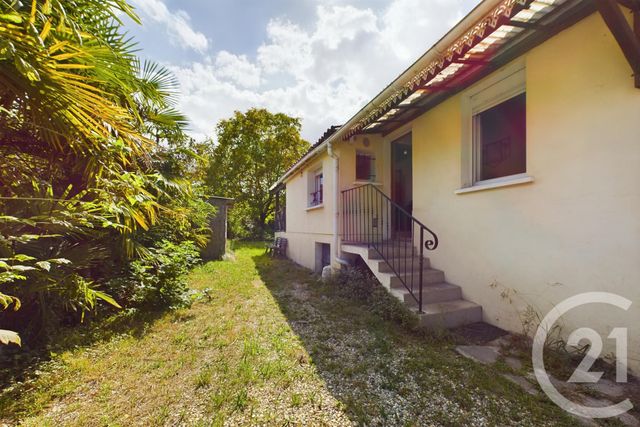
(302,162)
(436,50)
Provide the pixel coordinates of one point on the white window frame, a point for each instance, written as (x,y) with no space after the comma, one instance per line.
(311,185)
(503,85)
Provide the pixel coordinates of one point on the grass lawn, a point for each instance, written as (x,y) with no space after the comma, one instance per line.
(265,344)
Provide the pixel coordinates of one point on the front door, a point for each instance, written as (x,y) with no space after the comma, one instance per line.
(402,185)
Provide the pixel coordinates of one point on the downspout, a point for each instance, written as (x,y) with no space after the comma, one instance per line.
(336,209)
(435,52)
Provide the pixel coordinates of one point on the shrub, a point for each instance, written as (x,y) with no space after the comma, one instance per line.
(78,187)
(189,218)
(353,283)
(51,251)
(157,280)
(359,284)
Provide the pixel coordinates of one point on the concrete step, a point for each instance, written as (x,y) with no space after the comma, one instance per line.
(387,243)
(439,292)
(443,306)
(411,263)
(450,314)
(393,252)
(430,276)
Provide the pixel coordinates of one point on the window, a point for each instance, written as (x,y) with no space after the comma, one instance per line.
(494,131)
(365,167)
(316,185)
(499,138)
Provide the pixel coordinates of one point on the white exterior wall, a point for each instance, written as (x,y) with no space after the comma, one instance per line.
(308,226)
(305,226)
(575,229)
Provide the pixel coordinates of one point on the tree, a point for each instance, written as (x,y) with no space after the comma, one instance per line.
(254,149)
(80,122)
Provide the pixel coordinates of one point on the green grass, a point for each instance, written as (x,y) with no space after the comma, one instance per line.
(267,345)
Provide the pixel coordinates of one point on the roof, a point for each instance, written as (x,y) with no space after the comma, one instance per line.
(493,34)
(326,135)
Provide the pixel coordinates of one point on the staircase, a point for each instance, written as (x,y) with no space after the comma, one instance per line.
(371,223)
(443,305)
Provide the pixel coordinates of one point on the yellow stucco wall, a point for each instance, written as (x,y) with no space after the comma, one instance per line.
(347,153)
(307,226)
(576,228)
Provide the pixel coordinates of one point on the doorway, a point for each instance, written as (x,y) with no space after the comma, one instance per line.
(402,185)
(323,256)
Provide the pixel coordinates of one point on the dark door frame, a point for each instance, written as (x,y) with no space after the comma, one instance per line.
(405,198)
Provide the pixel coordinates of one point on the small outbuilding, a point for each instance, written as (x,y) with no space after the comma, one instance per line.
(217,245)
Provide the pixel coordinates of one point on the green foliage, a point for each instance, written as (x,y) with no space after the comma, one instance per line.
(187,214)
(83,193)
(360,285)
(184,158)
(44,251)
(67,72)
(158,280)
(182,163)
(191,222)
(254,149)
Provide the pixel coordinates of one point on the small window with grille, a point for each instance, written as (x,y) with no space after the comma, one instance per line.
(365,166)
(316,186)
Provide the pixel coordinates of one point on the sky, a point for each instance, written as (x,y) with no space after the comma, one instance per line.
(318,60)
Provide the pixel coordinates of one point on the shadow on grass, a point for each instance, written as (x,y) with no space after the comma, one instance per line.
(385,374)
(19,365)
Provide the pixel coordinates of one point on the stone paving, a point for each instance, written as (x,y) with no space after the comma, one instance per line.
(603,393)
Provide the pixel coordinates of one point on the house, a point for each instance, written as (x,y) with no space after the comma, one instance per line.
(496,177)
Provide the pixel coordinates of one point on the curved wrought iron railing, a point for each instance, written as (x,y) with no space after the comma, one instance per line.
(370,217)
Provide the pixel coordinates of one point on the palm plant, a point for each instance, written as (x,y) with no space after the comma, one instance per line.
(79,119)
(64,68)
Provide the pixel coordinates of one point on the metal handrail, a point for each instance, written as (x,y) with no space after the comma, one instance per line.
(370,217)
